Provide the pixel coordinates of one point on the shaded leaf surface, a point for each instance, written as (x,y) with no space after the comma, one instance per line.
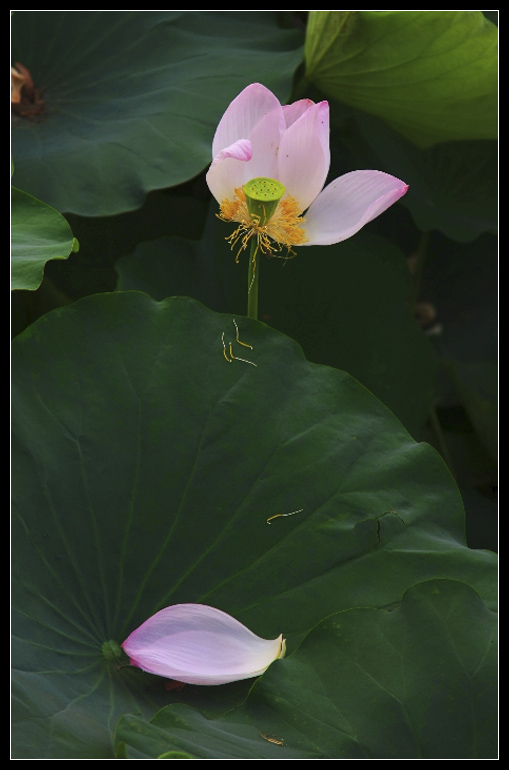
(145,467)
(452,186)
(132,98)
(414,682)
(346,304)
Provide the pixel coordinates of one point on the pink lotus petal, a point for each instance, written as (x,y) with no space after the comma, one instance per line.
(243,114)
(231,168)
(266,139)
(257,137)
(226,173)
(258,113)
(241,150)
(197,644)
(304,155)
(292,112)
(348,203)
(224,177)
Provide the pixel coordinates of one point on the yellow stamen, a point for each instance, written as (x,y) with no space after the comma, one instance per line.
(237,358)
(277,515)
(277,741)
(246,345)
(284,229)
(224,348)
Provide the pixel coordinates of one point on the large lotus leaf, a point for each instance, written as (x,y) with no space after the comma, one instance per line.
(145,467)
(132,98)
(346,304)
(418,681)
(38,233)
(431,75)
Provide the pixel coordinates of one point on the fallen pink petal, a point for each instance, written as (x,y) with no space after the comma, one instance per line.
(259,139)
(198,644)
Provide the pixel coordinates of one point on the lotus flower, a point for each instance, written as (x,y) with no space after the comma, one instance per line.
(283,153)
(197,644)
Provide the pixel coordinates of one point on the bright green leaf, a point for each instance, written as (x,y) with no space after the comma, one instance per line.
(38,234)
(132,98)
(431,75)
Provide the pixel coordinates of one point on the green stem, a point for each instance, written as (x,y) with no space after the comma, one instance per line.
(253,274)
(440,439)
(422,252)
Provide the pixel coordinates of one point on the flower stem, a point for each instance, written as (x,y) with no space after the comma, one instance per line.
(440,438)
(252,281)
(422,252)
